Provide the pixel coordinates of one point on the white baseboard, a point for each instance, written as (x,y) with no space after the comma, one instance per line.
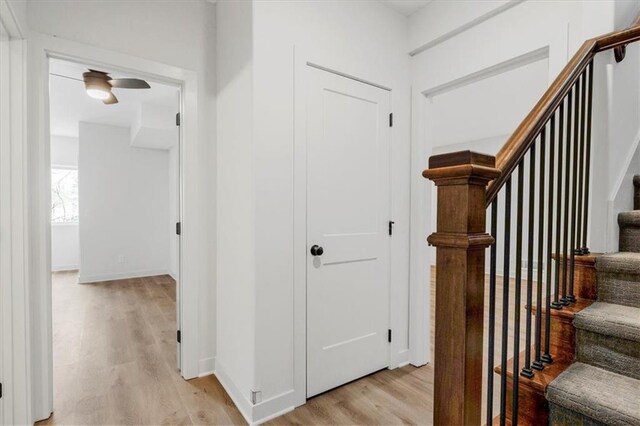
(206,367)
(242,403)
(261,412)
(86,279)
(64,268)
(274,407)
(402,358)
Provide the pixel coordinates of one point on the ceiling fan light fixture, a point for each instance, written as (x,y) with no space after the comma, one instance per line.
(97,85)
(98,93)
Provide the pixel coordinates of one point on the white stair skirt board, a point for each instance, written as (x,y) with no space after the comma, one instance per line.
(120,276)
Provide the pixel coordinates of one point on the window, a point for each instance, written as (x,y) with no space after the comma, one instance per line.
(64,196)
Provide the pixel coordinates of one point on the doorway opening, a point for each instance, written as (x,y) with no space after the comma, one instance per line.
(115,248)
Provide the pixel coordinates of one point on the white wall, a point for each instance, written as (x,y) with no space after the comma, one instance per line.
(65,240)
(179,34)
(64,151)
(461,46)
(65,247)
(343,36)
(124,208)
(236,293)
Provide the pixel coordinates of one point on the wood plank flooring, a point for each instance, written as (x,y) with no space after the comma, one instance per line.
(115,358)
(115,363)
(388,397)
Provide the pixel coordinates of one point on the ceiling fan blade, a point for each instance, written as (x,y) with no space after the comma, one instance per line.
(129,83)
(111,100)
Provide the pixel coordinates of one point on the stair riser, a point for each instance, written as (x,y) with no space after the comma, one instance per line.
(585,283)
(611,353)
(630,239)
(562,343)
(620,288)
(533,407)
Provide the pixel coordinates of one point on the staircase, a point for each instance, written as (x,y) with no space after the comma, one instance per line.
(522,218)
(603,385)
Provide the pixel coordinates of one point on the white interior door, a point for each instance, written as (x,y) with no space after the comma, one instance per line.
(347,217)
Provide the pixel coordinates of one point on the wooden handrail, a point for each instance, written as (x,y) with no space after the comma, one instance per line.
(521,140)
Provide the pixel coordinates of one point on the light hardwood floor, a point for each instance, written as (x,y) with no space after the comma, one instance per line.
(388,397)
(115,358)
(115,363)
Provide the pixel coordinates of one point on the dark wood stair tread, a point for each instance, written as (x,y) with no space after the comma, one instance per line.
(496,421)
(567,312)
(540,379)
(579,258)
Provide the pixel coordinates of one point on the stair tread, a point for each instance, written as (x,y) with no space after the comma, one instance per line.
(630,218)
(578,258)
(611,320)
(540,379)
(620,262)
(596,393)
(568,312)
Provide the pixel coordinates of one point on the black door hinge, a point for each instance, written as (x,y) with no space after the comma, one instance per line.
(0,390)
(391,223)
(178,228)
(177,119)
(391,119)
(179,337)
(389,336)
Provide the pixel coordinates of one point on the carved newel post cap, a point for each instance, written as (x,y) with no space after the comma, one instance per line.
(462,179)
(462,167)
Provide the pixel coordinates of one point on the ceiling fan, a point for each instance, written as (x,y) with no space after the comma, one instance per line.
(99,84)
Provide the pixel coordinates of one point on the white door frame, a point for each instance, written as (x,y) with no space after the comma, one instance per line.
(41,49)
(302,61)
(14,297)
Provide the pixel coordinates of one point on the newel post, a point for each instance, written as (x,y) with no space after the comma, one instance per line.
(461,241)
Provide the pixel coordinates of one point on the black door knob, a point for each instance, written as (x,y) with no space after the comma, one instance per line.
(316,250)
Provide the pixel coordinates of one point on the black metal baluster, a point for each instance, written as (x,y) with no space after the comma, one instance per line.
(518,294)
(546,356)
(556,304)
(574,193)
(567,188)
(492,310)
(537,364)
(505,302)
(585,248)
(583,98)
(526,370)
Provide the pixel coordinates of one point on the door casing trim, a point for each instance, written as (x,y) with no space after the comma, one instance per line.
(398,356)
(41,49)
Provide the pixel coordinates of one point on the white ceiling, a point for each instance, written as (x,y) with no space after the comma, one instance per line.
(70,104)
(406,7)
